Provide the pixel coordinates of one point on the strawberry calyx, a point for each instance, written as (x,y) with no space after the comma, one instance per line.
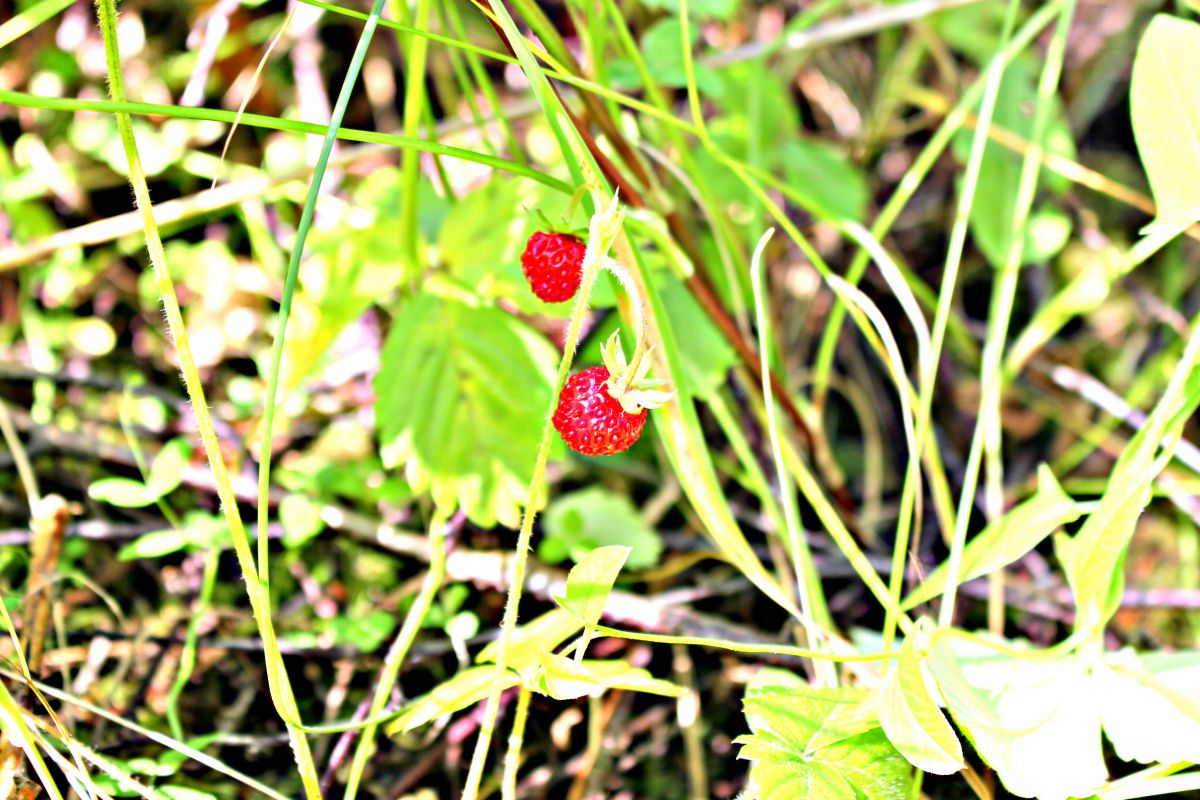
(628,381)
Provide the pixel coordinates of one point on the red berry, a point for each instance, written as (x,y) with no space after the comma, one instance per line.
(590,420)
(553,265)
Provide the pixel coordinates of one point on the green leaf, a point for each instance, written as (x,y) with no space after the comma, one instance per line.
(1008,538)
(531,639)
(566,679)
(1036,722)
(301,520)
(1150,705)
(121,492)
(590,582)
(661,47)
(166,473)
(462,393)
(579,522)
(911,718)
(823,180)
(199,530)
(467,687)
(699,9)
(790,758)
(1094,559)
(1164,103)
(991,222)
(707,355)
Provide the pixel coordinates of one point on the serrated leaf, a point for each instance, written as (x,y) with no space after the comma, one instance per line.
(1008,538)
(462,396)
(1036,722)
(787,759)
(590,582)
(121,492)
(1150,705)
(467,687)
(528,641)
(579,522)
(912,720)
(1164,103)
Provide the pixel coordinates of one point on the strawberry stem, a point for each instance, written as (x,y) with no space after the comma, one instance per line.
(639,316)
(604,228)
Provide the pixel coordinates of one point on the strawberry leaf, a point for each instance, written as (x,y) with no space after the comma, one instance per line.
(462,397)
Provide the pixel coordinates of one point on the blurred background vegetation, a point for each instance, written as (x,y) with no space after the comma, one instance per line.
(417,367)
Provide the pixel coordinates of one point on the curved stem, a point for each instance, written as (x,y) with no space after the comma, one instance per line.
(639,316)
(603,230)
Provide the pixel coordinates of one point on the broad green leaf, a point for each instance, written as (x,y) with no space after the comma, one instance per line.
(590,582)
(789,760)
(823,180)
(1048,229)
(462,396)
(661,47)
(121,492)
(707,355)
(1150,705)
(576,523)
(1008,538)
(912,720)
(301,520)
(529,640)
(352,264)
(1164,103)
(1036,722)
(467,687)
(166,473)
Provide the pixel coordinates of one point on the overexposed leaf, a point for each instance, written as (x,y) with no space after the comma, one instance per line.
(912,720)
(1008,538)
(467,687)
(529,640)
(590,582)
(1150,705)
(789,757)
(1035,722)
(1164,103)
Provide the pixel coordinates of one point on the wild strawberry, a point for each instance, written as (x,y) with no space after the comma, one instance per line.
(590,420)
(553,265)
(602,410)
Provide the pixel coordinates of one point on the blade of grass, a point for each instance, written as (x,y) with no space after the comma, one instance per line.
(912,179)
(991,369)
(26,20)
(150,735)
(278,682)
(399,650)
(808,582)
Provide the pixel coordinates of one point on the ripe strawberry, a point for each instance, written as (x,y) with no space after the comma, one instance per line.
(602,410)
(590,420)
(553,265)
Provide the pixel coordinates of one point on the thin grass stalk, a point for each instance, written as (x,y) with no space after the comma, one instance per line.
(991,367)
(281,691)
(516,741)
(803,566)
(399,649)
(911,181)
